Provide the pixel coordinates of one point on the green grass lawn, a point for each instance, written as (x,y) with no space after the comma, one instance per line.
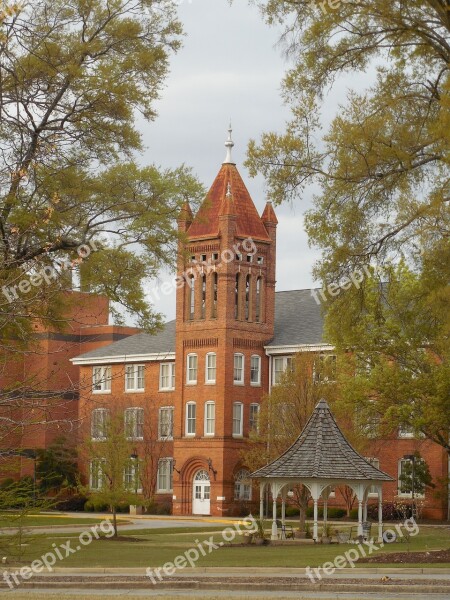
(8,520)
(153,548)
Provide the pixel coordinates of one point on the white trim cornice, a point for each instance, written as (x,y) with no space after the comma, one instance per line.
(125,358)
(274,350)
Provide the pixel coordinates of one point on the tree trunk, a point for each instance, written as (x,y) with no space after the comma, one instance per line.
(114,512)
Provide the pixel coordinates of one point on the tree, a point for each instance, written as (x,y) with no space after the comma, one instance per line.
(421,478)
(74,75)
(57,466)
(285,412)
(114,467)
(76,203)
(397,373)
(382,205)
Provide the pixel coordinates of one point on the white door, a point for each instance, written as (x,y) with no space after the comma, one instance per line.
(202,492)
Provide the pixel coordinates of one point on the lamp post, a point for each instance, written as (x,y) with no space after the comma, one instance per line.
(412,458)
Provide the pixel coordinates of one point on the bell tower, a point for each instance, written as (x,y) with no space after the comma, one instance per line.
(225,316)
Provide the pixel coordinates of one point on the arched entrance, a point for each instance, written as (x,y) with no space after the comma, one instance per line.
(201,504)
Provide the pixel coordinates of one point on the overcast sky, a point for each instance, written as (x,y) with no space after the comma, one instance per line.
(230,67)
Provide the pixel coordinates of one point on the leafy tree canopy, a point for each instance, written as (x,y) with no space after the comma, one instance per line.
(74,77)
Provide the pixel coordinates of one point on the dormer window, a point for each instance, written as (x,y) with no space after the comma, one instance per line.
(260,260)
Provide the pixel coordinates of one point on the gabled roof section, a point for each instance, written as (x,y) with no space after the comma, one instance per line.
(298,319)
(248,221)
(322,452)
(136,345)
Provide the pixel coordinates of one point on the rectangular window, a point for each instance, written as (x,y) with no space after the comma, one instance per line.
(405,470)
(191,376)
(167,376)
(191,415)
(254,414)
(405,432)
(280,365)
(131,476)
(96,468)
(165,423)
(373,491)
(210,418)
(211,361)
(239,369)
(165,475)
(134,378)
(99,423)
(101,380)
(237,419)
(255,370)
(134,423)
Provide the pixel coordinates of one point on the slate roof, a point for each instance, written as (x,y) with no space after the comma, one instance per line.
(321,452)
(298,319)
(141,343)
(248,221)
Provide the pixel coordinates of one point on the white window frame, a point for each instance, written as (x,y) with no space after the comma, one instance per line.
(258,382)
(210,380)
(137,421)
(286,362)
(135,378)
(168,463)
(399,492)
(170,377)
(190,369)
(243,486)
(373,493)
(208,430)
(100,474)
(170,412)
(101,376)
(130,471)
(190,419)
(254,424)
(240,381)
(105,413)
(240,433)
(405,432)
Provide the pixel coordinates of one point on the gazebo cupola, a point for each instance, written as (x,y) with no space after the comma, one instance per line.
(320,459)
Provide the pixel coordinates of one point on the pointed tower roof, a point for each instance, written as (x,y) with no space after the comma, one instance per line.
(228,196)
(321,452)
(185,213)
(269,215)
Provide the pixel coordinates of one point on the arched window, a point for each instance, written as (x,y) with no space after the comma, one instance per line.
(191,297)
(237,294)
(214,294)
(258,314)
(203,284)
(248,290)
(242,485)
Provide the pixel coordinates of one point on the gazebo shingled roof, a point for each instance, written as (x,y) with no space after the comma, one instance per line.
(321,451)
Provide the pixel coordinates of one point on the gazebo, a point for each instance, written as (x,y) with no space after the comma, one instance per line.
(321,458)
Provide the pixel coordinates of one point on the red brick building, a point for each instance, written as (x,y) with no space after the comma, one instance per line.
(199,383)
(43,385)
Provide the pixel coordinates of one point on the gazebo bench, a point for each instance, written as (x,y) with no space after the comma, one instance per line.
(285,531)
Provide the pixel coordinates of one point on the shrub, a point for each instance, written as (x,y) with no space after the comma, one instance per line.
(95,506)
(73,504)
(292,511)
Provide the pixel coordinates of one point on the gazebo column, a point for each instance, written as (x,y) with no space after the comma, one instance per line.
(360,517)
(261,500)
(276,487)
(380,514)
(316,491)
(365,510)
(283,505)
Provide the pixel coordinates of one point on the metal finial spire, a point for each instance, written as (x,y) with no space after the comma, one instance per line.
(229,145)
